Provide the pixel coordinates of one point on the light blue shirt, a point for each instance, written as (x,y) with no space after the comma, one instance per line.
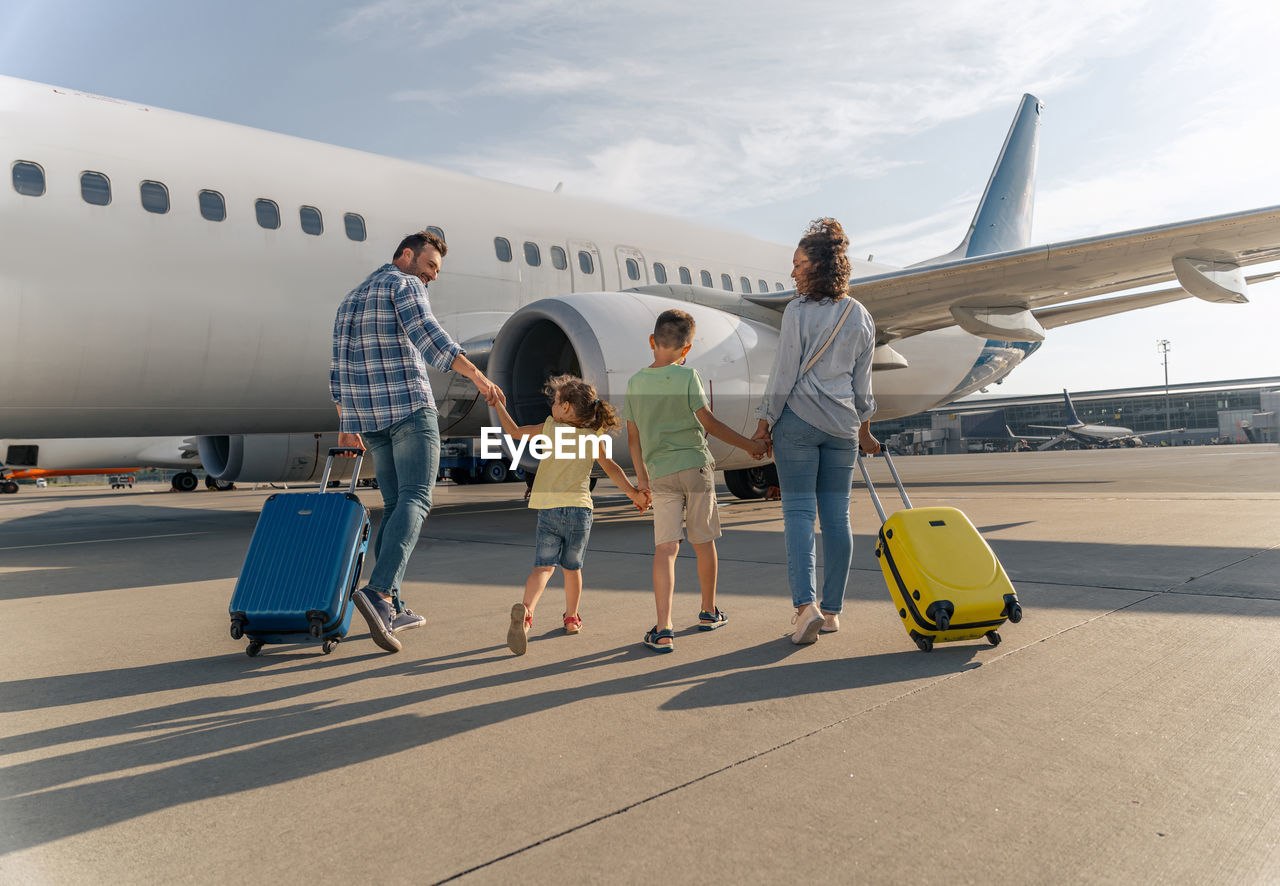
(835,395)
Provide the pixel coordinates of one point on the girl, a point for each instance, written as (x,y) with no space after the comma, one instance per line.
(562,496)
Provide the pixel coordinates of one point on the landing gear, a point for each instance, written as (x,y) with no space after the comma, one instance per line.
(751,483)
(9,487)
(217,485)
(186,482)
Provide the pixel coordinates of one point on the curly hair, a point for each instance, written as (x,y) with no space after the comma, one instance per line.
(590,410)
(826,245)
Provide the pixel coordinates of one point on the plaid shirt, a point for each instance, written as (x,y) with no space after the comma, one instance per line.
(383,332)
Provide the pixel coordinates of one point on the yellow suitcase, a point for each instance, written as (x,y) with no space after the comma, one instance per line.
(945,580)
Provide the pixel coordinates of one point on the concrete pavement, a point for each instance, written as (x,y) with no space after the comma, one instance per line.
(1123,732)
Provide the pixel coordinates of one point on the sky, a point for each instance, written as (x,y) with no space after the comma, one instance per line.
(758,117)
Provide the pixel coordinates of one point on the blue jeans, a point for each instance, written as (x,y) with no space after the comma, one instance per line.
(815,474)
(561,537)
(406,457)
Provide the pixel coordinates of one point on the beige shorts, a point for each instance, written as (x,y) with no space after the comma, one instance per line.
(687,497)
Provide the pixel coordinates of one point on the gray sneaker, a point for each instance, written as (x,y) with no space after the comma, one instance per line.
(406,620)
(378,613)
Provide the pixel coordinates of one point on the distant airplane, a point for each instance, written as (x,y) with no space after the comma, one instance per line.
(33,459)
(1094,435)
(219,254)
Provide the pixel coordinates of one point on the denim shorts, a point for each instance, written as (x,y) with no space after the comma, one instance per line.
(562,537)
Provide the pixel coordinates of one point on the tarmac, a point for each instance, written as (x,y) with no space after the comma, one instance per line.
(1123,732)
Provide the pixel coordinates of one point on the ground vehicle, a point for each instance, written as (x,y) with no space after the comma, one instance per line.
(121,481)
(41,482)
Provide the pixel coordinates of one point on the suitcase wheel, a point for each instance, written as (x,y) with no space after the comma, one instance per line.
(1015,613)
(925,643)
(329,645)
(993,637)
(254,647)
(236,631)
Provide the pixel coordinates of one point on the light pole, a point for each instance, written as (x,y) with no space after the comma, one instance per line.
(1163,345)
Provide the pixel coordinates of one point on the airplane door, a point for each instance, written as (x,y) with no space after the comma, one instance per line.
(584,261)
(631,267)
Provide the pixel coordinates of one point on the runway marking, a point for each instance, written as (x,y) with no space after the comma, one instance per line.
(94,541)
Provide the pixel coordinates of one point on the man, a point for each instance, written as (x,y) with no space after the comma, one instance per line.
(383,338)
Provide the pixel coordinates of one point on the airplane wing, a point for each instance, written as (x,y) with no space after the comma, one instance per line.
(1064,315)
(1048,427)
(994,295)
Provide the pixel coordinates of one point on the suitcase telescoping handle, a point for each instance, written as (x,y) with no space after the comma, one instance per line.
(866,478)
(355,472)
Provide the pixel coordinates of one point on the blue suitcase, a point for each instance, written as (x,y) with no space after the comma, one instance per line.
(302,567)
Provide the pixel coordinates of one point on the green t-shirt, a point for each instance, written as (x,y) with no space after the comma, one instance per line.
(663,402)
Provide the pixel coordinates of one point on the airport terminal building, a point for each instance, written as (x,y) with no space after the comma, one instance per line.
(1234,411)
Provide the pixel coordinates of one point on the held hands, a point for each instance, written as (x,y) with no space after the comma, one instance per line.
(762,434)
(757,448)
(492,393)
(641,498)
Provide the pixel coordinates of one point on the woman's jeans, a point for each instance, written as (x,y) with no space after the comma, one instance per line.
(815,473)
(406,457)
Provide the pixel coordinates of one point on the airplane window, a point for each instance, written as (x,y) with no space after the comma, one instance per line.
(726,281)
(558,258)
(212,206)
(439,232)
(659,272)
(268,214)
(706,278)
(502,246)
(355,227)
(28,179)
(532,255)
(584,261)
(764,287)
(155,197)
(777,287)
(95,188)
(746,285)
(685,276)
(633,269)
(312,221)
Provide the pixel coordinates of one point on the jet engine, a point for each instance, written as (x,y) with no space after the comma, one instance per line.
(604,338)
(272,458)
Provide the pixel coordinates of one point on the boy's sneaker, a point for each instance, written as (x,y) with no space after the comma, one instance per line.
(406,620)
(709,621)
(518,632)
(377,611)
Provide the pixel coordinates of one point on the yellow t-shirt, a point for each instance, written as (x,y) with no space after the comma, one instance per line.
(564,482)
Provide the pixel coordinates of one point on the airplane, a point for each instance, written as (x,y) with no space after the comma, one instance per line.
(1092,435)
(29,459)
(229,249)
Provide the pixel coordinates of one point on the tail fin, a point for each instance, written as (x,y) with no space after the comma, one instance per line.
(1072,418)
(1003,220)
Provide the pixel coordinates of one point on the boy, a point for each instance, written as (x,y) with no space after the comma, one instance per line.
(668,419)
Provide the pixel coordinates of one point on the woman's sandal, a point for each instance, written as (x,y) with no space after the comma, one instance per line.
(653,639)
(572,624)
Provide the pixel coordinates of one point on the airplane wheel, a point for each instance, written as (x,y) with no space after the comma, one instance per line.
(751,483)
(9,488)
(185,482)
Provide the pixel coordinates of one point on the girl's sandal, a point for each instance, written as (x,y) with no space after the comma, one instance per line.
(572,624)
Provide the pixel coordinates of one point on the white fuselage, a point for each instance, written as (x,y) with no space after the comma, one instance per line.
(120,321)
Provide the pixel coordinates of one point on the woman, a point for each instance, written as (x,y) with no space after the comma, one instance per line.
(815,410)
